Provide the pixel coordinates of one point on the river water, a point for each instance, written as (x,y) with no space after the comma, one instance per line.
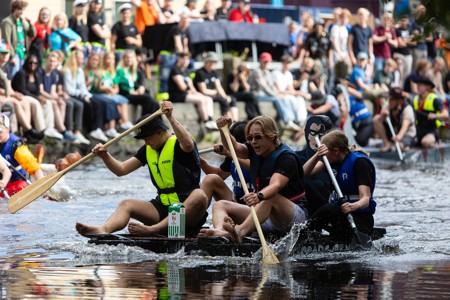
(42,256)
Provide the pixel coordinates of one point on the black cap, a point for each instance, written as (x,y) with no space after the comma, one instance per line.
(154,126)
(317,98)
(424,80)
(396,93)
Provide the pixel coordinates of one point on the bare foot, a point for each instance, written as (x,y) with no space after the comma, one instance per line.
(85,229)
(140,229)
(229,226)
(213,232)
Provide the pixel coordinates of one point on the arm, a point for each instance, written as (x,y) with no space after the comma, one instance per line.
(100,31)
(220,89)
(182,86)
(240,149)
(6,174)
(204,90)
(314,165)
(276,184)
(184,138)
(115,166)
(363,202)
(113,42)
(351,54)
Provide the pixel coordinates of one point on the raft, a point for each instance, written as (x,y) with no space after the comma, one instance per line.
(221,246)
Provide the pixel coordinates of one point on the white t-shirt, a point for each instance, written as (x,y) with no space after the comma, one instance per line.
(339,35)
(283,80)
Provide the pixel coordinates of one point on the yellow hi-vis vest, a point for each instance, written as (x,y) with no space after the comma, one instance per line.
(161,169)
(428,106)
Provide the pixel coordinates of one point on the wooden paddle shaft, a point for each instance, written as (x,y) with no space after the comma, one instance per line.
(397,145)
(266,250)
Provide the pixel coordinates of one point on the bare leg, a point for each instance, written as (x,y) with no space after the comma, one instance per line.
(138,209)
(59,118)
(214,186)
(381,131)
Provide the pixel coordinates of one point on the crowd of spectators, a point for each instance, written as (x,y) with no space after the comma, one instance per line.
(73,78)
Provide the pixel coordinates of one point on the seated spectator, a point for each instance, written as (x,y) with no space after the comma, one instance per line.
(131,83)
(15,31)
(78,23)
(75,85)
(208,83)
(239,88)
(124,34)
(181,89)
(40,43)
(262,84)
(50,80)
(242,12)
(148,13)
(284,83)
(327,105)
(223,11)
(422,68)
(63,37)
(22,107)
(98,30)
(385,77)
(107,86)
(74,107)
(401,114)
(28,82)
(92,74)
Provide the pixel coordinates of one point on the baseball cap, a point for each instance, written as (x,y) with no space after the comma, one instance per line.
(79,2)
(265,57)
(362,55)
(124,7)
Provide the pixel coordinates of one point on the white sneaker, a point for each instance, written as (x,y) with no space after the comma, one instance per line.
(292,126)
(81,139)
(98,135)
(211,125)
(126,125)
(111,133)
(53,133)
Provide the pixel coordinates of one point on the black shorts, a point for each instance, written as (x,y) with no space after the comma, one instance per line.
(163,211)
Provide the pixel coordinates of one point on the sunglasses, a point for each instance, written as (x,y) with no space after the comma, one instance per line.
(33,63)
(256,137)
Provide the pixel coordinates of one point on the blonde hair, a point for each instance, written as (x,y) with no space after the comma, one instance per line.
(64,17)
(88,68)
(111,68)
(336,138)
(134,66)
(268,127)
(71,64)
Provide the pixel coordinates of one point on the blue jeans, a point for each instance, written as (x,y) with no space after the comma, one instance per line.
(166,62)
(14,68)
(284,114)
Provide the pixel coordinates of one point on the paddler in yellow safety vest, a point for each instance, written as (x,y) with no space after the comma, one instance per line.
(174,166)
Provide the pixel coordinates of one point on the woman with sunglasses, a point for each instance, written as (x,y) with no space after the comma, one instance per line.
(28,81)
(277,174)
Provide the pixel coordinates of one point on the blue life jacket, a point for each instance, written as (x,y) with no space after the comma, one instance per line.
(263,171)
(8,154)
(237,187)
(346,180)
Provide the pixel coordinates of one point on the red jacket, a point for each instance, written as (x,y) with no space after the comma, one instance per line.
(237,16)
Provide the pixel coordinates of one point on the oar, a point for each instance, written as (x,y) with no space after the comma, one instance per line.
(268,256)
(397,144)
(362,239)
(11,167)
(39,187)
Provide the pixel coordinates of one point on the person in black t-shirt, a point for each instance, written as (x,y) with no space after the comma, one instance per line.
(181,89)
(78,23)
(98,31)
(207,82)
(124,34)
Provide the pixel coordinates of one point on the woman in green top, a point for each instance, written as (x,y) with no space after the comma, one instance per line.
(92,74)
(131,83)
(107,86)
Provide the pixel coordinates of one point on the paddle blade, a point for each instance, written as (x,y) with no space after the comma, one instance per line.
(32,192)
(269,258)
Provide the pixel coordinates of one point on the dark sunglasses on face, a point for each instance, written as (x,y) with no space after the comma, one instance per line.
(33,63)
(256,137)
